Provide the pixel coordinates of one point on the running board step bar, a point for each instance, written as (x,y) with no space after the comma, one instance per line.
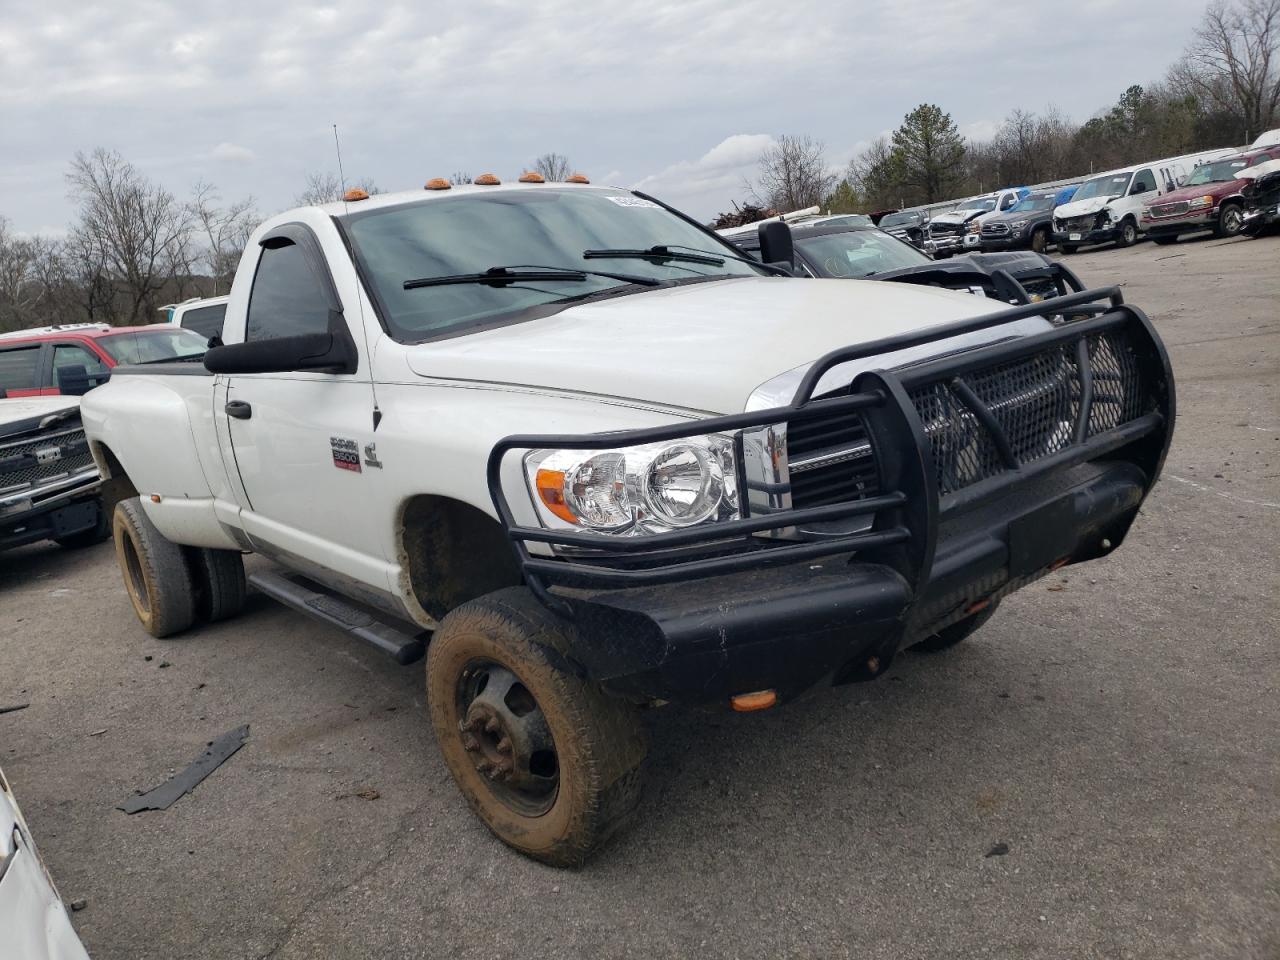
(403,644)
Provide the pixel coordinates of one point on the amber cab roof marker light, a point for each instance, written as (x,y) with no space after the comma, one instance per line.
(530,177)
(486,180)
(437,183)
(354,194)
(577,178)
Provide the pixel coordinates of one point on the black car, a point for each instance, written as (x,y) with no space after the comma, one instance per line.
(906,225)
(842,251)
(1262,204)
(1028,226)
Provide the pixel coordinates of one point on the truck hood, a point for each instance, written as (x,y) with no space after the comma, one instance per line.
(1203,190)
(18,414)
(1081,208)
(703,347)
(959,216)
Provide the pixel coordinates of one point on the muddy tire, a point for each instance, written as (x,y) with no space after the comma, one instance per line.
(1040,240)
(87,538)
(948,637)
(218,579)
(1230,220)
(1128,234)
(155,572)
(546,759)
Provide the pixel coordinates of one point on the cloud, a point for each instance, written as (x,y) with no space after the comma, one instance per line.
(697,185)
(233,152)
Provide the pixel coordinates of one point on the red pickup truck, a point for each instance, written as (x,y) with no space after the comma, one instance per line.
(1209,200)
(72,358)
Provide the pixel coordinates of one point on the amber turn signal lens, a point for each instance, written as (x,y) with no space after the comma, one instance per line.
(750,702)
(529,177)
(550,484)
(976,606)
(486,180)
(437,183)
(354,194)
(578,178)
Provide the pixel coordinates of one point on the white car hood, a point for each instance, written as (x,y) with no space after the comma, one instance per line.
(958,216)
(702,347)
(1081,208)
(15,409)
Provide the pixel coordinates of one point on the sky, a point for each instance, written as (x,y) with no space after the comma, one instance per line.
(677,99)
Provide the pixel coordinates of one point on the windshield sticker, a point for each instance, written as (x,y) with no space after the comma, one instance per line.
(638,202)
(346,454)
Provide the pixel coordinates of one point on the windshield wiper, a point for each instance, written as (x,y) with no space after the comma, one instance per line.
(680,252)
(505,276)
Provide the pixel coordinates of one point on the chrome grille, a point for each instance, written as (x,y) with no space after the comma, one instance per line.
(945,229)
(830,461)
(1081,224)
(997,229)
(1175,209)
(42,457)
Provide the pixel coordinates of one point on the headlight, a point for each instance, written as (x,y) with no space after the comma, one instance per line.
(1017,225)
(633,491)
(1199,203)
(974,226)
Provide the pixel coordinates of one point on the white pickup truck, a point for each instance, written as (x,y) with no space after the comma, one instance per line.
(601,462)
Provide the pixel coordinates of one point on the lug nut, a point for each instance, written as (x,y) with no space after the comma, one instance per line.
(504,745)
(492,726)
(470,743)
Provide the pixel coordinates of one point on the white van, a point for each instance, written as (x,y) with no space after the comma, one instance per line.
(1108,206)
(204,316)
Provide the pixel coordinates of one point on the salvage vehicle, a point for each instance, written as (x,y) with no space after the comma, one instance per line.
(1028,224)
(603,461)
(960,229)
(71,359)
(908,225)
(1261,198)
(866,253)
(1108,208)
(203,315)
(1209,200)
(49,485)
(34,924)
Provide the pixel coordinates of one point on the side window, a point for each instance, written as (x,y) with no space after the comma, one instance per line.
(1008,202)
(1144,182)
(18,368)
(206,321)
(72,354)
(287,298)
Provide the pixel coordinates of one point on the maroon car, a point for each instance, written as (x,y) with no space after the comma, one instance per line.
(1209,200)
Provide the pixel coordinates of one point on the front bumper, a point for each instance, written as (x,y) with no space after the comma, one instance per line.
(837,602)
(1255,221)
(946,246)
(1081,238)
(1011,241)
(72,508)
(1189,222)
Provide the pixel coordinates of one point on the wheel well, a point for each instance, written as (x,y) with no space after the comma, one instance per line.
(116,485)
(453,552)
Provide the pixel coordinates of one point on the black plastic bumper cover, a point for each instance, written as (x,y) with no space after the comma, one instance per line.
(728,613)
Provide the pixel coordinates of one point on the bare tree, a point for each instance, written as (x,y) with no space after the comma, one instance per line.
(793,174)
(875,175)
(459,178)
(1233,63)
(554,167)
(327,188)
(17,292)
(132,227)
(224,230)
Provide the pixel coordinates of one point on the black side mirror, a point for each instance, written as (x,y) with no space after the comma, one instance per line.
(776,245)
(320,352)
(73,380)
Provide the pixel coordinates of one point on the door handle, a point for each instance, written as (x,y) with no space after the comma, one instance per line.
(238,409)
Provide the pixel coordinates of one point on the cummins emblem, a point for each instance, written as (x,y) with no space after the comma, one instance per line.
(48,455)
(371,456)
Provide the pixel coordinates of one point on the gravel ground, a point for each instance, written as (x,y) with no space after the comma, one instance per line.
(1114,726)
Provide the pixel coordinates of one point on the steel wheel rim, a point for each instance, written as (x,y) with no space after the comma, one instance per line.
(507,738)
(1231,221)
(1129,233)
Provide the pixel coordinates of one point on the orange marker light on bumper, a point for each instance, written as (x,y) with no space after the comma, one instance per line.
(750,702)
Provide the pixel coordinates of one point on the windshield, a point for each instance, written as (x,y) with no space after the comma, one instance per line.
(1115,185)
(1037,201)
(899,220)
(526,227)
(150,346)
(858,253)
(1224,171)
(982,203)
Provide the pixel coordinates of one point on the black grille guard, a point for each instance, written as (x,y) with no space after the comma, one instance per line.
(907,513)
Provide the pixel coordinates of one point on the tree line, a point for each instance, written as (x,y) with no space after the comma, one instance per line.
(1223,91)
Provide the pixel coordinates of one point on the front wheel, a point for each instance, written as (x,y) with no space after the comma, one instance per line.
(545,758)
(1040,241)
(1230,220)
(155,572)
(1128,234)
(948,637)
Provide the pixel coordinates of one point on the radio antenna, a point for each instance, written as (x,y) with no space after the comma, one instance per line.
(346,205)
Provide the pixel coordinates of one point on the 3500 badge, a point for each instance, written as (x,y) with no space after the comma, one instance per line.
(346,454)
